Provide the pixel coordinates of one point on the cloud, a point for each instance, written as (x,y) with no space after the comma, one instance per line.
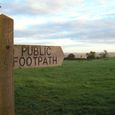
(40,7)
(53,6)
(95,31)
(73,24)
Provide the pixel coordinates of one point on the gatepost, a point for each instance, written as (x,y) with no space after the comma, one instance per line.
(6,66)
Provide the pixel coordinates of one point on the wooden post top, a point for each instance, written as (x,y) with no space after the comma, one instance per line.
(5,16)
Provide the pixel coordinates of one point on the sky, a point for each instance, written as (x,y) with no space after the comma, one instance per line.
(75,25)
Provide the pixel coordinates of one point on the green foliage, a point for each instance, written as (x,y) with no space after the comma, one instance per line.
(91,55)
(75,88)
(71,56)
(104,54)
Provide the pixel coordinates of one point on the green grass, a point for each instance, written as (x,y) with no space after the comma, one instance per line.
(75,88)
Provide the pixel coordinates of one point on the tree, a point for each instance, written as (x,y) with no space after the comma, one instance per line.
(71,56)
(104,54)
(91,55)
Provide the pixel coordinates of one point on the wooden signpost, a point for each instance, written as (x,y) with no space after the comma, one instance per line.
(20,56)
(6,66)
(31,56)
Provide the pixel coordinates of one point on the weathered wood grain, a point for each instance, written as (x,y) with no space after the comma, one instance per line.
(6,66)
(31,56)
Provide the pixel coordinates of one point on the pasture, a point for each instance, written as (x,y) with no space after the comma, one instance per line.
(75,88)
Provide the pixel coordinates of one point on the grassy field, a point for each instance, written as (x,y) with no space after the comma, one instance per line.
(75,88)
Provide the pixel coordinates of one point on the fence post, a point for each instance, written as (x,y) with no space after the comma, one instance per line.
(6,66)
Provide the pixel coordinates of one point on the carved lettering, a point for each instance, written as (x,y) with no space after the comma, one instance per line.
(36,56)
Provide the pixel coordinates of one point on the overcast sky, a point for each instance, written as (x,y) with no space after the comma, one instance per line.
(76,25)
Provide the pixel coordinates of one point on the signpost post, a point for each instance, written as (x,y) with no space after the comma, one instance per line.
(20,56)
(6,66)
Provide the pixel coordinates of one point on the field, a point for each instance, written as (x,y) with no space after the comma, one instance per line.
(75,88)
